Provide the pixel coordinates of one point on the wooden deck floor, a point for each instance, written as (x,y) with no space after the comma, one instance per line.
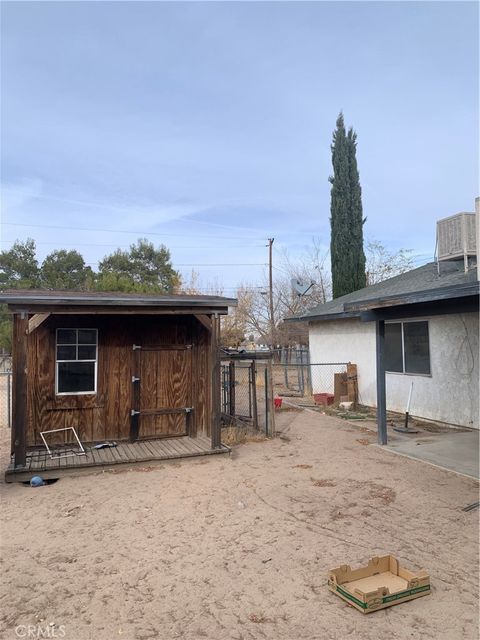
(127,454)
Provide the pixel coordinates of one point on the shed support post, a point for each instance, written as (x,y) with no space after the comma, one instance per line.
(216,391)
(19,388)
(381,392)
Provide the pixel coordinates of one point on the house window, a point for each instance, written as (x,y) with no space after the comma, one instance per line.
(76,361)
(407,347)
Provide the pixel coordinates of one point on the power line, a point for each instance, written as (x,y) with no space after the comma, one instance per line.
(212,264)
(131,210)
(311,234)
(126,246)
(138,233)
(224,264)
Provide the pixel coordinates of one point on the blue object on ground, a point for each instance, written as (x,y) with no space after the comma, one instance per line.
(37,481)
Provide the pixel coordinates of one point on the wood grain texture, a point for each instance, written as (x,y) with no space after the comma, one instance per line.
(165,383)
(20,407)
(173,377)
(202,380)
(124,456)
(36,320)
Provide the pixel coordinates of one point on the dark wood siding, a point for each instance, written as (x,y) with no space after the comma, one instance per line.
(165,385)
(106,414)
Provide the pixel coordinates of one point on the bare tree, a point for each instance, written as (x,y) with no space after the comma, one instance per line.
(252,313)
(253,301)
(233,326)
(382,264)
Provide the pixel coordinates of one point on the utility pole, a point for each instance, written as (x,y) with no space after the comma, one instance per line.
(270,292)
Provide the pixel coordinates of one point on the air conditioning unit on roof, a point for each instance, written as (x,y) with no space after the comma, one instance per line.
(456,237)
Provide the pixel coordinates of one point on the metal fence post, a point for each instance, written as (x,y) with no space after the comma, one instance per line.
(249,371)
(254,394)
(231,387)
(266,401)
(309,374)
(9,400)
(285,368)
(301,378)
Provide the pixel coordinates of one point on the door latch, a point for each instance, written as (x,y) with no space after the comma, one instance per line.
(135,379)
(136,346)
(134,413)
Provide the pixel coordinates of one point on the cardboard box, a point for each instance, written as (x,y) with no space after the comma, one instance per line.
(340,386)
(382,583)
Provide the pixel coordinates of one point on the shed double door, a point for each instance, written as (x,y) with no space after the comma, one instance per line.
(162,392)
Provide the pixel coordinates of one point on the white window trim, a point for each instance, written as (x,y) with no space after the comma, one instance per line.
(76,393)
(408,373)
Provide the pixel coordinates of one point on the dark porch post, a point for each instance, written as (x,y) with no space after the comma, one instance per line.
(19,388)
(381,393)
(216,391)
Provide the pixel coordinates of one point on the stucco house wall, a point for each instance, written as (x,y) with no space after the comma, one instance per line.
(346,341)
(450,394)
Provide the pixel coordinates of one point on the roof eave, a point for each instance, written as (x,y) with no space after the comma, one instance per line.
(428,295)
(323,317)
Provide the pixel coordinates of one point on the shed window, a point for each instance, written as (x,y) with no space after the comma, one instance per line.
(76,361)
(407,347)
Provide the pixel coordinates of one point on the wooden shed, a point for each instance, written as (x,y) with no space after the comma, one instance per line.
(138,370)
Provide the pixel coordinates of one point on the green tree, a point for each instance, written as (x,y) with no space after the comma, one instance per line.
(18,270)
(66,270)
(19,266)
(346,244)
(5,330)
(142,269)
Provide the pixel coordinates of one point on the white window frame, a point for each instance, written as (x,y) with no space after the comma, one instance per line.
(408,373)
(76,393)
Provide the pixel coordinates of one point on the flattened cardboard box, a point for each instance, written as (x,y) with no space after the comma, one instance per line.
(382,583)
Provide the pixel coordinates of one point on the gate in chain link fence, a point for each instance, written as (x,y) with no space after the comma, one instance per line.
(247,392)
(295,376)
(5,391)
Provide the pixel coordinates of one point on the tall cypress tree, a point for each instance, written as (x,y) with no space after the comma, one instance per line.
(346,243)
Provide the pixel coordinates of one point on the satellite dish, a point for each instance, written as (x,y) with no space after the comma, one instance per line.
(301,288)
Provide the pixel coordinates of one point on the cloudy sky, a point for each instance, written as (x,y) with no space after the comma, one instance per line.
(207,126)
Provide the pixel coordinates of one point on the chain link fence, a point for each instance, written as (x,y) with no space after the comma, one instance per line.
(295,376)
(5,391)
(247,394)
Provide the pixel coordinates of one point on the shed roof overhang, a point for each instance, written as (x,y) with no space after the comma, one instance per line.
(102,303)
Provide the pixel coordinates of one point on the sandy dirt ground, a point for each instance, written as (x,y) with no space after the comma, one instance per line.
(239,547)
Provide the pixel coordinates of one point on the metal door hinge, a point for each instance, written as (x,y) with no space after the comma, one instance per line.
(135,379)
(188,409)
(134,413)
(136,346)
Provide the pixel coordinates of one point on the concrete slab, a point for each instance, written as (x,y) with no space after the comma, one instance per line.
(454,450)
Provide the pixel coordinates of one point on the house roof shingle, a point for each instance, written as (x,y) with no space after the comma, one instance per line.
(424,279)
